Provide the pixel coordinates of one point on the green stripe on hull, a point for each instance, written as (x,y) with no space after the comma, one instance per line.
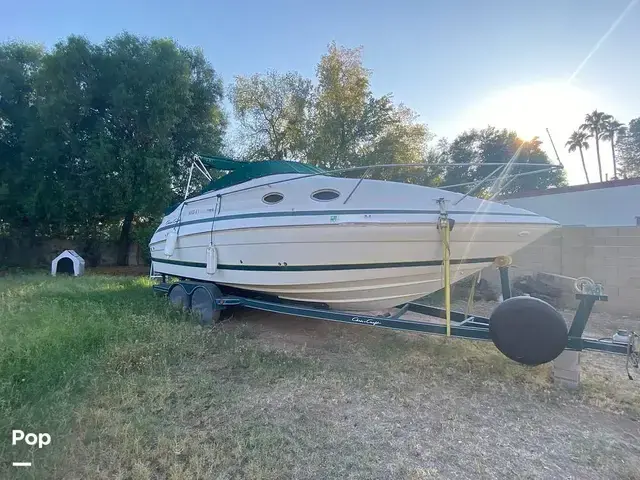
(181,263)
(318,268)
(312,213)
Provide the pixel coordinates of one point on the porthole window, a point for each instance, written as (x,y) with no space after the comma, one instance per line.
(325,195)
(273,198)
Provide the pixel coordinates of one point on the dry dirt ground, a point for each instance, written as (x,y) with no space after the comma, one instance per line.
(358,402)
(422,407)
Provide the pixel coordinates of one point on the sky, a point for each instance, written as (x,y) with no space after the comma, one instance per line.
(524,65)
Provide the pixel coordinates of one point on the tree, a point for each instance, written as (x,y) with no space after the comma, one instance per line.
(476,148)
(594,124)
(578,141)
(628,150)
(350,127)
(346,115)
(19,66)
(401,140)
(68,103)
(338,124)
(153,90)
(111,128)
(612,132)
(272,111)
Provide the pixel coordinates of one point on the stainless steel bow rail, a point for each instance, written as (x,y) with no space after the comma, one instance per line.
(501,175)
(208,301)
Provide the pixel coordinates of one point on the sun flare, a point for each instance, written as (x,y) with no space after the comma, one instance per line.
(529,109)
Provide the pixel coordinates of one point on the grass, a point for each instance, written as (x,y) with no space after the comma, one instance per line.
(65,340)
(129,388)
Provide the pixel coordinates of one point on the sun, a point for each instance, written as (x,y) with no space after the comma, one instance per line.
(530,109)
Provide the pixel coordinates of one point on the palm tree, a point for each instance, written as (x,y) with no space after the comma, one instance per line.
(613,130)
(578,141)
(594,123)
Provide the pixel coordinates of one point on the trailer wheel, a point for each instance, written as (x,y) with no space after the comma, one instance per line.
(203,303)
(528,330)
(179,298)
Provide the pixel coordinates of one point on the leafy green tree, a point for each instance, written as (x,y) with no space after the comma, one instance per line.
(162,104)
(272,112)
(69,117)
(336,125)
(345,112)
(19,65)
(477,148)
(594,125)
(112,128)
(628,150)
(401,139)
(612,132)
(350,127)
(579,141)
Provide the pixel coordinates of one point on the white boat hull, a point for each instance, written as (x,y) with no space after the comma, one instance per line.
(374,247)
(353,266)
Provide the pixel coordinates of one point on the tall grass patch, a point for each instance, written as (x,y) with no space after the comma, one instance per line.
(62,337)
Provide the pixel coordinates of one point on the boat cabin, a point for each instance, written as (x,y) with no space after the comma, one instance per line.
(240,172)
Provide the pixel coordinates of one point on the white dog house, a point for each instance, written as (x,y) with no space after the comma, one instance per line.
(68,262)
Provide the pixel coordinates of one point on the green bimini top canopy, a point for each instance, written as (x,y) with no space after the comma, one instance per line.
(241,172)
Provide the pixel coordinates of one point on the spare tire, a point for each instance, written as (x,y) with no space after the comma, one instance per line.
(528,330)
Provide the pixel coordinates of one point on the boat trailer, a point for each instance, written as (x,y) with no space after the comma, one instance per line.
(525,329)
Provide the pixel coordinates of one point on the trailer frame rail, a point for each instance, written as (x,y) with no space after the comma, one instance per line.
(470,327)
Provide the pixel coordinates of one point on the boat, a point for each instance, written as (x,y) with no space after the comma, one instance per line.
(290,230)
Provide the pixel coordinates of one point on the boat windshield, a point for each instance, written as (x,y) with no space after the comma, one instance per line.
(251,170)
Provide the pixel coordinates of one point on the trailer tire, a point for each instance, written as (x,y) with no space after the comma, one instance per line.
(528,330)
(179,298)
(203,304)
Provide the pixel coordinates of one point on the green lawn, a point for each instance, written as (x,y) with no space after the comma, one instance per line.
(79,356)
(129,388)
(65,339)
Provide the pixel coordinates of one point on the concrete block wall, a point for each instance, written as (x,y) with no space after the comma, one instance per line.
(608,255)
